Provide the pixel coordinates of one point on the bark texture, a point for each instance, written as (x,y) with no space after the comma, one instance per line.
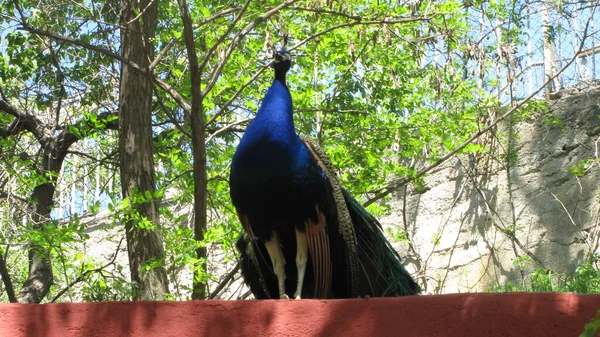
(199,152)
(145,245)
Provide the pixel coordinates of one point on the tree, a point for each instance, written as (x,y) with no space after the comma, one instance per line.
(53,151)
(37,132)
(144,239)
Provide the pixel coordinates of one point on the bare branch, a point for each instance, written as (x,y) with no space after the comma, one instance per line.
(137,17)
(102,161)
(330,12)
(170,45)
(224,282)
(6,279)
(227,127)
(166,87)
(82,44)
(61,79)
(236,41)
(312,37)
(4,195)
(172,118)
(337,111)
(84,274)
(225,35)
(504,230)
(400,182)
(236,94)
(357,23)
(174,94)
(23,122)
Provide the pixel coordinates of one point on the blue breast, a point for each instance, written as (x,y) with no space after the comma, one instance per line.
(274,179)
(270,145)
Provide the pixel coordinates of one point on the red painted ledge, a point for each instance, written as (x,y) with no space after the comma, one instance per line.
(512,314)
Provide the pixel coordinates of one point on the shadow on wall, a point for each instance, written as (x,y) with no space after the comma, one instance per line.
(483,222)
(454,315)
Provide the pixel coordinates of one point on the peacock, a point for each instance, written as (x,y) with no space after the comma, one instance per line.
(304,235)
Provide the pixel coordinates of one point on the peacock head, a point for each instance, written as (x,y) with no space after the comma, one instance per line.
(282,61)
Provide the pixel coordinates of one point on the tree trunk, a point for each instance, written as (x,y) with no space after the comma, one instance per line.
(199,153)
(145,246)
(549,62)
(40,276)
(73,187)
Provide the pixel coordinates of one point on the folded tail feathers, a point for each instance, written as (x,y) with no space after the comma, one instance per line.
(382,273)
(371,266)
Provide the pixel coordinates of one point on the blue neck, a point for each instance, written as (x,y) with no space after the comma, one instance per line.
(275,118)
(280,76)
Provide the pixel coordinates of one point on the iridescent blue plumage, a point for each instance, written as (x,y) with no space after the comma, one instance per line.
(305,236)
(274,178)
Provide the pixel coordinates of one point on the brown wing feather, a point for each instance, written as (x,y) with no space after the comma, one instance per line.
(319,248)
(246,224)
(345,225)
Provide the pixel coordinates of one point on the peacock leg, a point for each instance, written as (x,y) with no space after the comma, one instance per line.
(301,259)
(276,255)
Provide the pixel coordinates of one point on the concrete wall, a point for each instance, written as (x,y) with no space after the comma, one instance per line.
(481,222)
(487,315)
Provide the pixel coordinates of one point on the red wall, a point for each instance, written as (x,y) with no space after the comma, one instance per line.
(478,315)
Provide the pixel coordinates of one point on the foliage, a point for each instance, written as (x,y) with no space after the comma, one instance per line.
(585,280)
(582,167)
(592,327)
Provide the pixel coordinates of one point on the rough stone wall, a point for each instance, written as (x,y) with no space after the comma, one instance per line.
(481,222)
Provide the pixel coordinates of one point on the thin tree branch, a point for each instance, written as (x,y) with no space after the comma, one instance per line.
(400,182)
(225,35)
(337,111)
(312,37)
(236,94)
(171,116)
(330,12)
(166,87)
(170,45)
(83,275)
(103,161)
(6,279)
(60,84)
(137,17)
(504,230)
(82,44)
(4,195)
(237,40)
(224,281)
(225,128)
(357,23)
